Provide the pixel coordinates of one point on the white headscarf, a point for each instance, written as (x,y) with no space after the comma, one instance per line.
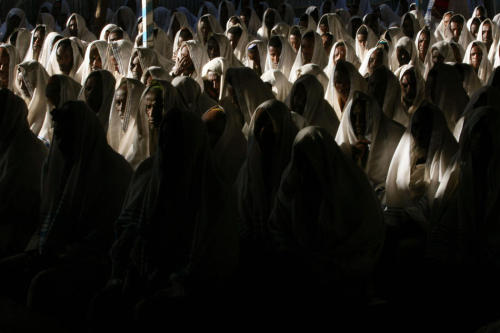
(22,43)
(121,50)
(48,20)
(156,73)
(240,50)
(147,58)
(214,26)
(465,36)
(422,66)
(83,32)
(230,11)
(371,41)
(199,57)
(130,136)
(414,21)
(84,70)
(176,45)
(286,59)
(29,53)
(409,46)
(53,65)
(48,45)
(226,50)
(13,61)
(319,56)
(441,32)
(192,98)
(350,56)
(281,29)
(316,71)
(264,32)
(219,66)
(445,49)
(107,28)
(35,78)
(289,17)
(281,85)
(485,68)
(262,48)
(403,113)
(183,22)
(335,27)
(495,36)
(363,69)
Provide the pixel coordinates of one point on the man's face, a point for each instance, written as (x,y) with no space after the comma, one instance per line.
(323,27)
(362,39)
(114,36)
(64,56)
(213,84)
(253,55)
(233,40)
(474,28)
(476,56)
(274,54)
(423,44)
(295,42)
(93,92)
(95,59)
(340,53)
(73,28)
(403,56)
(136,68)
(213,49)
(342,84)
(408,87)
(487,35)
(446,20)
(456,30)
(4,68)
(38,38)
(375,60)
(154,107)
(121,101)
(307,47)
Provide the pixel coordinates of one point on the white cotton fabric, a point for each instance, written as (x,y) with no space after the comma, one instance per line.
(214,25)
(107,28)
(363,69)
(53,65)
(441,32)
(335,27)
(319,57)
(219,66)
(121,50)
(371,41)
(192,98)
(48,20)
(240,50)
(29,53)
(84,70)
(176,45)
(409,46)
(350,56)
(22,43)
(485,68)
(225,50)
(316,71)
(286,60)
(83,32)
(494,34)
(422,65)
(157,73)
(161,16)
(403,113)
(199,57)
(465,36)
(264,32)
(281,85)
(48,45)
(261,47)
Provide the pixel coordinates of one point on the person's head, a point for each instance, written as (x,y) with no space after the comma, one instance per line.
(253,53)
(304,21)
(476,56)
(437,57)
(212,84)
(295,38)
(307,47)
(323,25)
(421,124)
(265,131)
(480,13)
(474,26)
(73,27)
(327,40)
(299,98)
(4,67)
(64,56)
(456,26)
(341,80)
(135,66)
(423,43)
(487,35)
(407,26)
(53,91)
(234,35)
(235,20)
(362,36)
(93,91)
(358,116)
(446,19)
(115,34)
(245,15)
(189,65)
(213,49)
(121,100)
(376,59)
(402,55)
(339,52)
(270,20)
(215,121)
(274,50)
(408,84)
(184,35)
(95,60)
(38,38)
(205,28)
(154,105)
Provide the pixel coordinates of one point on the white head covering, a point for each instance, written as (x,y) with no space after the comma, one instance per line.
(465,36)
(485,67)
(371,41)
(48,45)
(13,61)
(35,78)
(69,90)
(421,66)
(130,136)
(125,16)
(357,83)
(226,50)
(199,57)
(350,56)
(281,85)
(108,90)
(176,45)
(219,66)
(441,32)
(363,69)
(29,53)
(263,32)
(388,16)
(495,36)
(414,21)
(408,45)
(240,50)
(84,70)
(191,96)
(183,22)
(403,113)
(83,33)
(317,111)
(23,23)
(214,25)
(121,50)
(316,71)
(53,65)
(22,42)
(107,28)
(254,23)
(335,27)
(286,59)
(289,17)
(383,134)
(281,29)
(48,20)
(319,56)
(147,58)
(157,73)
(444,48)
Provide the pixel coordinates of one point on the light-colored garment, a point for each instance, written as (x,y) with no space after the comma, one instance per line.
(289,17)
(319,56)
(316,71)
(281,85)
(371,41)
(83,32)
(414,21)
(419,64)
(335,27)
(350,56)
(225,50)
(176,45)
(264,31)
(22,42)
(286,59)
(441,32)
(403,112)
(130,136)
(35,78)
(199,57)
(85,67)
(495,36)
(161,16)
(240,51)
(214,26)
(29,52)
(230,11)
(156,73)
(48,45)
(181,19)
(465,36)
(107,29)
(190,95)
(444,48)
(485,68)
(23,22)
(388,16)
(53,65)
(13,61)
(121,50)
(409,46)
(262,49)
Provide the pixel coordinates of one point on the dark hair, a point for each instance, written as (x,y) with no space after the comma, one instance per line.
(235,30)
(275,42)
(185,34)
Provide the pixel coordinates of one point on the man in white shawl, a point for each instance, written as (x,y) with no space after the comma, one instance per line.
(423,43)
(38,38)
(332,23)
(457,31)
(280,55)
(311,52)
(65,58)
(214,78)
(50,41)
(256,53)
(489,35)
(31,80)
(238,38)
(341,50)
(365,40)
(207,25)
(370,138)
(8,62)
(219,46)
(477,56)
(270,18)
(412,94)
(118,55)
(76,27)
(128,127)
(96,58)
(405,53)
(281,87)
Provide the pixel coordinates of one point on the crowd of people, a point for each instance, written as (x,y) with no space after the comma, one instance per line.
(251,155)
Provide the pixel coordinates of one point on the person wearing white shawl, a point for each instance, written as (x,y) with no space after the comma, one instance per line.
(225,11)
(473,26)
(316,71)
(48,44)
(457,31)
(306,22)
(327,222)
(270,18)
(341,86)
(161,43)
(95,59)
(341,51)
(59,90)
(228,143)
(333,23)
(280,55)
(419,165)
(441,32)
(376,56)
(118,55)
(281,29)
(311,51)
(128,127)
(38,38)
(106,31)
(281,87)
(16,18)
(191,57)
(47,20)
(271,134)
(477,56)
(405,53)
(489,35)
(307,100)
(440,52)
(365,40)
(183,35)
(412,94)
(30,82)
(256,53)
(155,73)
(20,39)
(238,38)
(206,26)
(214,78)
(8,62)
(219,46)
(141,59)
(76,27)
(125,18)
(368,137)
(97,92)
(21,159)
(65,58)
(191,97)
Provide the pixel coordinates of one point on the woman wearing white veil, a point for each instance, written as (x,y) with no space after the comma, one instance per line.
(480,63)
(341,51)
(48,44)
(231,32)
(118,55)
(31,80)
(423,44)
(332,23)
(405,53)
(225,11)
(256,52)
(177,21)
(82,31)
(191,58)
(311,51)
(98,61)
(412,94)
(47,20)
(441,31)
(464,38)
(269,19)
(282,52)
(104,35)
(207,25)
(38,36)
(53,66)
(21,39)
